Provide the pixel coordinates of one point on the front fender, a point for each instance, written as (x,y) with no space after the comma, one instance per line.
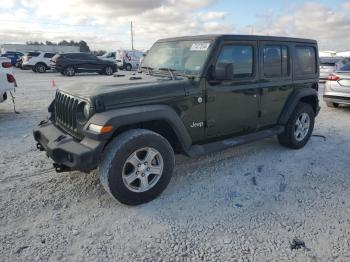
(138,114)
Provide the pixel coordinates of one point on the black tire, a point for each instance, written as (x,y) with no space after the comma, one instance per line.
(62,73)
(128,67)
(40,68)
(109,70)
(34,69)
(69,71)
(288,137)
(332,105)
(114,161)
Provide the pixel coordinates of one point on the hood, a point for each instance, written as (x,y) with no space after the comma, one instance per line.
(136,88)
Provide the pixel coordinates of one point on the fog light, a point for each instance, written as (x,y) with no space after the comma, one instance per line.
(100,129)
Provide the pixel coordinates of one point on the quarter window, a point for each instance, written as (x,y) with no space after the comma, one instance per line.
(241,56)
(276,61)
(306,60)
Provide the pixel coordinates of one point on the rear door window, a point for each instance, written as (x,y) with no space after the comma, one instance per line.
(275,59)
(305,60)
(35,54)
(345,68)
(49,55)
(241,56)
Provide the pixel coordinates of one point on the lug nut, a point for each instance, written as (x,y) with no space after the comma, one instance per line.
(148,169)
(139,165)
(143,174)
(137,173)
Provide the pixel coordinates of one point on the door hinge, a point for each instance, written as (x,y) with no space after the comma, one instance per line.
(259,113)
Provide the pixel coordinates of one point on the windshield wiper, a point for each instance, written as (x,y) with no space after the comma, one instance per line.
(170,70)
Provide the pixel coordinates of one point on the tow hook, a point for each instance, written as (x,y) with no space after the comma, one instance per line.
(40,147)
(60,168)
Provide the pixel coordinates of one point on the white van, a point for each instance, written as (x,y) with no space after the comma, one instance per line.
(128,59)
(7,79)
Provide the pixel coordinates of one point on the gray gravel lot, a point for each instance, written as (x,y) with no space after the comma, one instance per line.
(245,204)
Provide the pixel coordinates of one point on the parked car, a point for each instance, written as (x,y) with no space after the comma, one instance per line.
(337,88)
(38,61)
(7,79)
(71,63)
(328,65)
(110,56)
(194,95)
(128,59)
(13,56)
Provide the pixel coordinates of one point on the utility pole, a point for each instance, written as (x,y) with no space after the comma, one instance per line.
(132,36)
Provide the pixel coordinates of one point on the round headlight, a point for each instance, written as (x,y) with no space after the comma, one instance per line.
(86,111)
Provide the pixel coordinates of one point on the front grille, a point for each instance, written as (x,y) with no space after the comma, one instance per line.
(66,113)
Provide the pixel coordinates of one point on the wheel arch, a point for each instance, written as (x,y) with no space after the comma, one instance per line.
(161,119)
(307,95)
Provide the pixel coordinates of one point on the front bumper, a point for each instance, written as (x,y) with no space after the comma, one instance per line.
(67,152)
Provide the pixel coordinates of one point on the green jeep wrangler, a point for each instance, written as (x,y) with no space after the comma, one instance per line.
(192,95)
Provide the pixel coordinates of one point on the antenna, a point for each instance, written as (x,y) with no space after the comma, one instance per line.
(132,36)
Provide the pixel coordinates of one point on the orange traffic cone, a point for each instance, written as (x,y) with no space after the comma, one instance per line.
(53,83)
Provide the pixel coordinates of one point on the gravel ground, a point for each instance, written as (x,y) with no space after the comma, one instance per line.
(250,203)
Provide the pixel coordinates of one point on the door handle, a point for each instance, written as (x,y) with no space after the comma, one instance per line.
(250,92)
(283,88)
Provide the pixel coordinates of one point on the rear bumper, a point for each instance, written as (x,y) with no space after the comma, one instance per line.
(67,152)
(337,99)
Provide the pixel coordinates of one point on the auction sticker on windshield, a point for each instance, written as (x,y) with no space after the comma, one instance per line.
(200,46)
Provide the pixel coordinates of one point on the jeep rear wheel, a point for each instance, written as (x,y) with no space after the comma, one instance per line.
(137,166)
(299,127)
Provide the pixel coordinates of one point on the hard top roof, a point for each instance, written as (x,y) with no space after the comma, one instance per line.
(240,37)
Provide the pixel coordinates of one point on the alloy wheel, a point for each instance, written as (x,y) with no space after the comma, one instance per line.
(302,126)
(143,169)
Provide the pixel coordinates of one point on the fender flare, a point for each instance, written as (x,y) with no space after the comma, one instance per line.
(138,114)
(293,100)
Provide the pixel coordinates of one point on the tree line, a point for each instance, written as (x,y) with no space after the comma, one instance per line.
(83,46)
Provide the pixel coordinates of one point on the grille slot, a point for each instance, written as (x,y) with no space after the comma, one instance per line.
(66,113)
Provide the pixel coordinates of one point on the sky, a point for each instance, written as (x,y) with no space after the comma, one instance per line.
(105,24)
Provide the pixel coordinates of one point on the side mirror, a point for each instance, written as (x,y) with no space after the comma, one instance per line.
(223,71)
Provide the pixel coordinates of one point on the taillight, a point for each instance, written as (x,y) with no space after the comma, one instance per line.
(11,78)
(6,64)
(333,77)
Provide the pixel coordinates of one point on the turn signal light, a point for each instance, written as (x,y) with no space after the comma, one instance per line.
(100,129)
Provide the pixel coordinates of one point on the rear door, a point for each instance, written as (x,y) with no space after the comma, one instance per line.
(232,106)
(276,80)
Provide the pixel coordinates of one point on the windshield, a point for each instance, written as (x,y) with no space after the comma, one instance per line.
(186,57)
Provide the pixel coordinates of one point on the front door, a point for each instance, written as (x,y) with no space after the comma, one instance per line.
(232,107)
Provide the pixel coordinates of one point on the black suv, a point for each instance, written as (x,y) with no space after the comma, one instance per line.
(71,63)
(192,96)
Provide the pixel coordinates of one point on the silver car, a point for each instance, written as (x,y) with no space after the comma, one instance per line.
(337,88)
(328,65)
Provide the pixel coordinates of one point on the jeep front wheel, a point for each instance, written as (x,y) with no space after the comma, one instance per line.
(137,166)
(299,127)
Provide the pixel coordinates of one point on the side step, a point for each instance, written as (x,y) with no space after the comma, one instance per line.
(200,150)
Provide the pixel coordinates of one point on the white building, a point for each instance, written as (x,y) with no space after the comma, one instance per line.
(45,48)
(334,54)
